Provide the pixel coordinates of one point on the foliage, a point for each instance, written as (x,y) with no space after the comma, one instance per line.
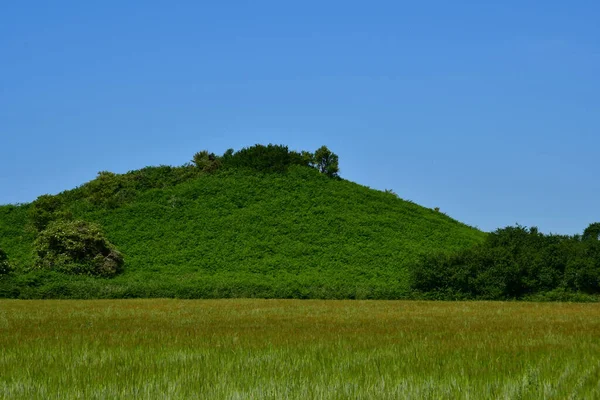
(268,222)
(76,247)
(592,232)
(227,155)
(45,209)
(308,158)
(17,234)
(326,161)
(112,191)
(513,262)
(270,158)
(276,158)
(239,232)
(391,191)
(5,267)
(206,161)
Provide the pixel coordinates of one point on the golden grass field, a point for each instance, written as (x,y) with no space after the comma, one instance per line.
(298,349)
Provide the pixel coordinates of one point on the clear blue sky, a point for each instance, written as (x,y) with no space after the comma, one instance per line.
(489,111)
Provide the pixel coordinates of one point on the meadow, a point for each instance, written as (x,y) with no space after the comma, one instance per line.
(291,349)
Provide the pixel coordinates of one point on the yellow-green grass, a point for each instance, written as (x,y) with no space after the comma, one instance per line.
(278,349)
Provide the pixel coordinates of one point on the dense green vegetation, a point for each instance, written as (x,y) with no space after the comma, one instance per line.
(236,225)
(76,247)
(5,267)
(515,262)
(269,222)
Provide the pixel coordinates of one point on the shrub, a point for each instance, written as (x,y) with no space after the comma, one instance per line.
(76,247)
(5,267)
(391,191)
(206,161)
(111,191)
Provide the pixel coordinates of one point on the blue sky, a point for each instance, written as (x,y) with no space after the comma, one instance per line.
(489,111)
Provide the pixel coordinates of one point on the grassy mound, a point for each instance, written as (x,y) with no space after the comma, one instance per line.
(236,232)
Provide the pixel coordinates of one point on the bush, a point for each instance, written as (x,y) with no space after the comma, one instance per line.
(206,161)
(76,247)
(111,191)
(5,267)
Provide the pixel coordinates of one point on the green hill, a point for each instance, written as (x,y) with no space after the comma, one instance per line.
(236,231)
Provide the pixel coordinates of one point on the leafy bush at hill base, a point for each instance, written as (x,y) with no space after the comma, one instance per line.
(513,263)
(76,247)
(5,267)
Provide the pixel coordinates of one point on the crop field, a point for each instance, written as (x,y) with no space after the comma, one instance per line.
(295,349)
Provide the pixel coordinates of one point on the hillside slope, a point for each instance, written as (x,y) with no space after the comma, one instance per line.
(242,233)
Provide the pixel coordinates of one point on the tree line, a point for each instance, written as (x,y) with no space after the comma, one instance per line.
(270,158)
(514,262)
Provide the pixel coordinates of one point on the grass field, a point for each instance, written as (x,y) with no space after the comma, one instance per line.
(278,349)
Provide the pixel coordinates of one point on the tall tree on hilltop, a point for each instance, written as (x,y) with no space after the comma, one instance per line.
(326,161)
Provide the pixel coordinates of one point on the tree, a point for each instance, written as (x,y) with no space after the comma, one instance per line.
(228,155)
(76,247)
(266,159)
(308,158)
(592,232)
(326,161)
